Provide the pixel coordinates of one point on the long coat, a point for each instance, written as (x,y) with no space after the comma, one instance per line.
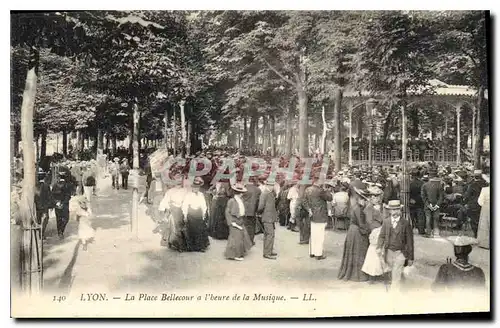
(251,199)
(267,206)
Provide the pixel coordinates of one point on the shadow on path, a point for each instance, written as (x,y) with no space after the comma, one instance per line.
(67,276)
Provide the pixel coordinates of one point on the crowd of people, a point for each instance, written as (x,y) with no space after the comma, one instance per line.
(364,201)
(378,245)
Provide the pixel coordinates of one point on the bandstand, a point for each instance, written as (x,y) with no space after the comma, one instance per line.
(454,96)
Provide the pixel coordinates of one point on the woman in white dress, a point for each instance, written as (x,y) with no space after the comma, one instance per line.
(483,231)
(83,215)
(374,266)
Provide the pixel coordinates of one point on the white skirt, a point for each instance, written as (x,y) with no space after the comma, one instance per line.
(85,230)
(374,265)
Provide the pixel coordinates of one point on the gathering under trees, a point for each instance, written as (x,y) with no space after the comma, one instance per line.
(278,83)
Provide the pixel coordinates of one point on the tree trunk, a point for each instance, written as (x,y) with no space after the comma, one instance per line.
(273,137)
(288,132)
(95,141)
(65,143)
(252,135)
(265,133)
(414,132)
(183,122)
(322,146)
(43,145)
(337,114)
(37,148)
(189,137)
(302,102)
(134,222)
(12,154)
(100,140)
(360,125)
(165,129)
(113,145)
(31,253)
(478,149)
(245,132)
(174,130)
(387,125)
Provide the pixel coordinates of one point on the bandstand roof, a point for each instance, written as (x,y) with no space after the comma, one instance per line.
(435,87)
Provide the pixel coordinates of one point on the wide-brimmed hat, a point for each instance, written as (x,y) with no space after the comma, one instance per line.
(478,172)
(462,240)
(393,205)
(361,190)
(116,159)
(238,187)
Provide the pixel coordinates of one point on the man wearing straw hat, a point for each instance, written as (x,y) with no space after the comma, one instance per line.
(395,242)
(267,207)
(459,273)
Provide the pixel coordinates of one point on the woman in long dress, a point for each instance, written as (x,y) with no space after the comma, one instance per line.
(217,225)
(356,241)
(239,241)
(373,265)
(483,232)
(194,210)
(173,227)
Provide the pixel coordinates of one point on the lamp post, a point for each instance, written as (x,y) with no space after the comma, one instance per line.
(370,105)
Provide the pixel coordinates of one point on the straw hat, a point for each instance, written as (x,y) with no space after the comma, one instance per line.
(462,240)
(393,205)
(238,187)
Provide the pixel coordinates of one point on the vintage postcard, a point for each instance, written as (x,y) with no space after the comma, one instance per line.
(249,164)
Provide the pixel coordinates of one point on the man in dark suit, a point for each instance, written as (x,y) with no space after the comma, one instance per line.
(61,194)
(43,201)
(251,201)
(315,203)
(395,242)
(416,202)
(267,208)
(470,198)
(432,196)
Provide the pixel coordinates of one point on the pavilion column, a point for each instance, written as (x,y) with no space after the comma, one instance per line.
(458,107)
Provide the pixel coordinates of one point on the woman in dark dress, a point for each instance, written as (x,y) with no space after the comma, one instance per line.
(194,209)
(239,241)
(217,225)
(356,241)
